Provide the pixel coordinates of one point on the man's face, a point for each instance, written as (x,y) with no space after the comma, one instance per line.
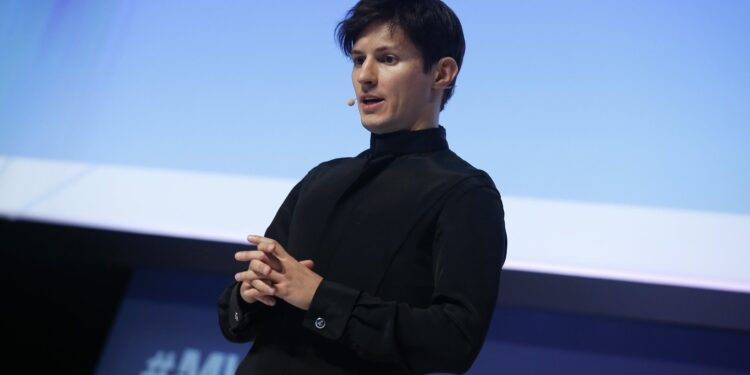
(393,91)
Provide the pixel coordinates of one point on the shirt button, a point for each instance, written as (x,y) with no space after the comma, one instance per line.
(320,323)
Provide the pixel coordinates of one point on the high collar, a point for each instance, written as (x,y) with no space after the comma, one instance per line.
(408,142)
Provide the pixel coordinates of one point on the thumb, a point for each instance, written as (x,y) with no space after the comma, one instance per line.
(308,263)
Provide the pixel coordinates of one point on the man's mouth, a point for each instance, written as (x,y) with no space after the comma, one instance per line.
(371,100)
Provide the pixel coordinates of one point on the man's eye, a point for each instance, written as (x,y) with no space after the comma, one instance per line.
(358,60)
(389,59)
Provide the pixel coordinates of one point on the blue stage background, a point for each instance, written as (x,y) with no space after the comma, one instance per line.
(620,101)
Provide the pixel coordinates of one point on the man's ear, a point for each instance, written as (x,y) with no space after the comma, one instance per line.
(444,73)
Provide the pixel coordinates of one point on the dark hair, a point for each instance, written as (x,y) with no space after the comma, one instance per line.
(430,24)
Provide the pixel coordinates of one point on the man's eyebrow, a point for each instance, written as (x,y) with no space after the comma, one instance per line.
(379,49)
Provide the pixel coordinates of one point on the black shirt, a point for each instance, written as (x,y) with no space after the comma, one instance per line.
(409,239)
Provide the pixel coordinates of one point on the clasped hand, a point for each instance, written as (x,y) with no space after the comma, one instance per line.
(272,273)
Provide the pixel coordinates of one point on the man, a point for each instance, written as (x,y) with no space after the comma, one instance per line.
(387,262)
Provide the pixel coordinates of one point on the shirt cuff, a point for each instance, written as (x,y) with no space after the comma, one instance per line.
(240,312)
(330,309)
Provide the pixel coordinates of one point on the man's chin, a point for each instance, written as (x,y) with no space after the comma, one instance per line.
(376,128)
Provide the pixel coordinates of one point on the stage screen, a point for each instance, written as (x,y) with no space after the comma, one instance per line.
(617,132)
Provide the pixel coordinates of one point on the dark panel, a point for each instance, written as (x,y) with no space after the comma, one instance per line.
(65,283)
(670,304)
(58,306)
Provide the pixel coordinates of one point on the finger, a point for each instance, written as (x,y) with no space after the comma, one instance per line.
(263,287)
(268,246)
(254,239)
(275,277)
(249,256)
(260,268)
(261,241)
(271,247)
(256,295)
(308,263)
(244,288)
(267,300)
(247,276)
(270,260)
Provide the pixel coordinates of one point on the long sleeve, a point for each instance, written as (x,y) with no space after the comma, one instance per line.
(468,252)
(238,319)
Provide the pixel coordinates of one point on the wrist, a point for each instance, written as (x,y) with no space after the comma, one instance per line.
(311,292)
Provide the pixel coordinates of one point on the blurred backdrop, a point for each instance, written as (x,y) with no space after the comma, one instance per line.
(140,141)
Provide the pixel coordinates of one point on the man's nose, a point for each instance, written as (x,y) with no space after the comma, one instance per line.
(367,75)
